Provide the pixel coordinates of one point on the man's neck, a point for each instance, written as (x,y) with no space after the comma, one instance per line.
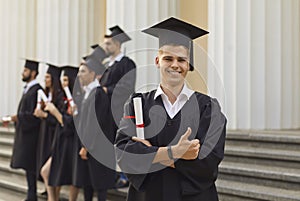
(172,91)
(115,54)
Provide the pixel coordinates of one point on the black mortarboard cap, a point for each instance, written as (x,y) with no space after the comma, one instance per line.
(94,64)
(32,65)
(70,71)
(95,59)
(94,46)
(118,34)
(99,53)
(54,71)
(176,32)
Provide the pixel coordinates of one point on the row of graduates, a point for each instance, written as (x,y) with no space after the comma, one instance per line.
(184,130)
(50,141)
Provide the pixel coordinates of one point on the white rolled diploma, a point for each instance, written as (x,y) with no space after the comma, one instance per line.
(138,110)
(39,100)
(69,96)
(70,99)
(43,95)
(6,119)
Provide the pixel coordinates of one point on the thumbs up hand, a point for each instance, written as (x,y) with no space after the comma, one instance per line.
(185,148)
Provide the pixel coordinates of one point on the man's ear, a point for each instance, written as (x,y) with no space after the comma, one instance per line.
(33,74)
(157,62)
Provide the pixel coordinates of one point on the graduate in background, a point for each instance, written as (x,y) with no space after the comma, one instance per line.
(94,113)
(54,93)
(27,128)
(184,130)
(61,170)
(118,81)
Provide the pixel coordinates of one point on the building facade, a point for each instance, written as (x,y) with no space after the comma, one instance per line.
(250,60)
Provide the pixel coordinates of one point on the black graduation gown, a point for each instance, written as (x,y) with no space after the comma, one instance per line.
(120,82)
(62,156)
(191,180)
(95,111)
(27,131)
(47,134)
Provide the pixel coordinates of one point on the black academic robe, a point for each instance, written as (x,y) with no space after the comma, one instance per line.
(94,128)
(47,135)
(27,130)
(120,82)
(190,180)
(61,170)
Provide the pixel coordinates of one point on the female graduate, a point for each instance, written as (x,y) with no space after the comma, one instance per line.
(62,156)
(54,93)
(184,130)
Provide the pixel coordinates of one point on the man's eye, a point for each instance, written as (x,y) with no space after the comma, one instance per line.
(168,59)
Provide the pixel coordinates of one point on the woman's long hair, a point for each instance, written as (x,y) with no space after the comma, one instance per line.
(57,91)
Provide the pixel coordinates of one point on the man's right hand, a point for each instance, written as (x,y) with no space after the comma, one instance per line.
(185,148)
(83,153)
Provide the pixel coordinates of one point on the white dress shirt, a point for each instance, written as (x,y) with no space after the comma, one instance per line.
(117,58)
(87,89)
(182,98)
(28,85)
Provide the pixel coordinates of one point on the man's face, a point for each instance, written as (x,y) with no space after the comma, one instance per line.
(26,75)
(85,75)
(173,62)
(111,46)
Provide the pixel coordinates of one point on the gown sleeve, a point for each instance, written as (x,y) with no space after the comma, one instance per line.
(29,121)
(199,174)
(134,158)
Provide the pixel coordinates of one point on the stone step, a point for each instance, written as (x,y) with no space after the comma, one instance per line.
(285,141)
(14,180)
(285,178)
(246,191)
(5,152)
(6,141)
(11,195)
(7,131)
(265,153)
(289,136)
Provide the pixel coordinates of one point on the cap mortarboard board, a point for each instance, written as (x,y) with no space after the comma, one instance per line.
(99,53)
(118,34)
(54,71)
(94,46)
(94,64)
(32,65)
(70,71)
(176,32)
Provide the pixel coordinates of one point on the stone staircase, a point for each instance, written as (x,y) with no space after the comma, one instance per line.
(13,185)
(260,165)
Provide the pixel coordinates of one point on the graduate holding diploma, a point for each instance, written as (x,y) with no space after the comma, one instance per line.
(27,128)
(184,130)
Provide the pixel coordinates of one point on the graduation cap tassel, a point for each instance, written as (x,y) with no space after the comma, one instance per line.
(191,56)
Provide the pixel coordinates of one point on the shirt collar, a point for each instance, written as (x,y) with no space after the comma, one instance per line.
(30,84)
(185,92)
(117,58)
(91,86)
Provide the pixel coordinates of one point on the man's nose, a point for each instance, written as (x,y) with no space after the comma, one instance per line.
(175,64)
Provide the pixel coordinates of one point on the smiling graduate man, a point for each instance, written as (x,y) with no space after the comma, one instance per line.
(184,130)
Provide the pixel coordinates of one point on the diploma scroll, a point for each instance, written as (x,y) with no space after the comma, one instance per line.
(138,110)
(39,101)
(43,95)
(6,119)
(70,99)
